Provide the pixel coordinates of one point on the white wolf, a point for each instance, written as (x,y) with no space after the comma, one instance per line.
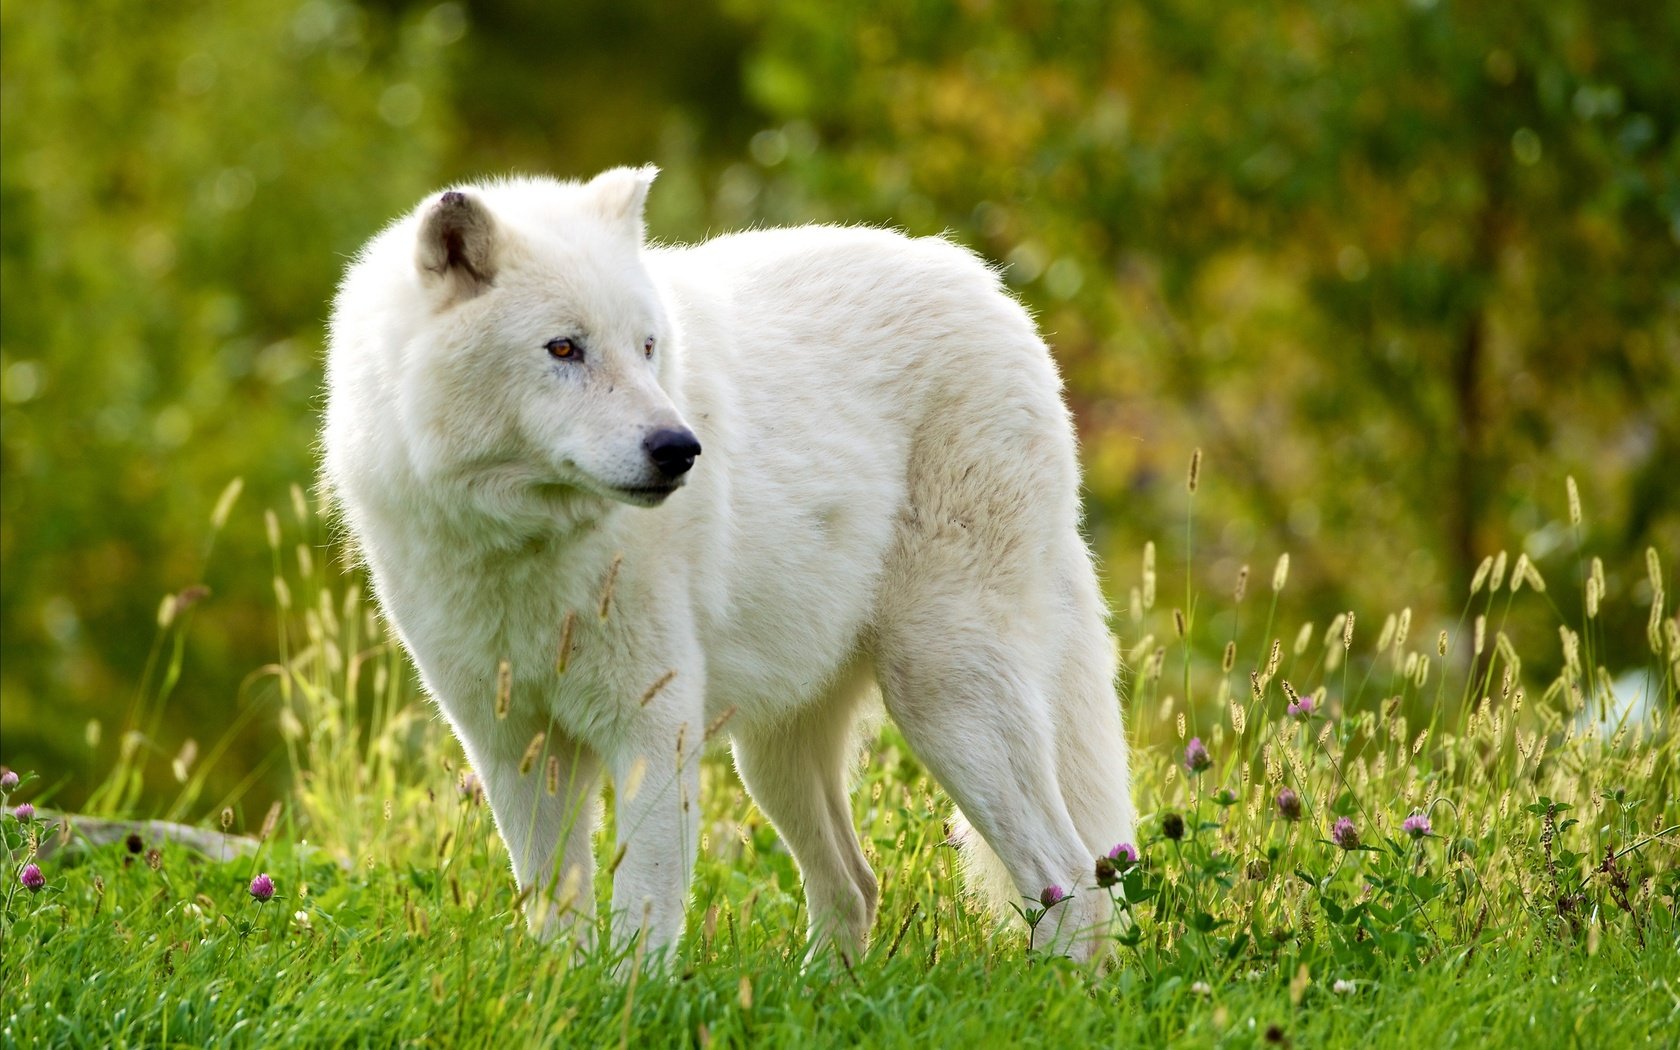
(883,490)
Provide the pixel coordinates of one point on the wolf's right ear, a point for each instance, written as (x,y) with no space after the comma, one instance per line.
(456,254)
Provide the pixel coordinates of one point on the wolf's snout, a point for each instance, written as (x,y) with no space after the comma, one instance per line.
(672,450)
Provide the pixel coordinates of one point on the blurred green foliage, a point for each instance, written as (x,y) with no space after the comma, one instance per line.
(1396,268)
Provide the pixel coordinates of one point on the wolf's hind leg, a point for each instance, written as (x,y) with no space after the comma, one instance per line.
(969,700)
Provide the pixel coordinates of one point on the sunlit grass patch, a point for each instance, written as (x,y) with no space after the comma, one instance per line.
(1370,829)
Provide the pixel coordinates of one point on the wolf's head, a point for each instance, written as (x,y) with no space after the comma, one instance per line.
(538,363)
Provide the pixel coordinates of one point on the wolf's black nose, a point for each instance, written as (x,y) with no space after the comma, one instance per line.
(672,450)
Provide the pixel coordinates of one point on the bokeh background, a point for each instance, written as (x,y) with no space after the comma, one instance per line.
(1397,269)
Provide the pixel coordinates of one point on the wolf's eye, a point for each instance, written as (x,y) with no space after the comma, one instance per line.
(647,348)
(564,349)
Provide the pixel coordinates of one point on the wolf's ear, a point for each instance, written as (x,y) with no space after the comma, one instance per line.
(456,254)
(621,193)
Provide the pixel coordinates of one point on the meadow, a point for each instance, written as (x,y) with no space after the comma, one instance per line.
(1372,830)
(1399,269)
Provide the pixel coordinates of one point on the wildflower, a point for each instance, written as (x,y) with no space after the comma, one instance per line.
(1344,834)
(134,842)
(1202,988)
(1107,874)
(1196,757)
(8,780)
(1225,797)
(262,888)
(1416,825)
(1342,985)
(32,878)
(24,813)
(1109,866)
(1301,708)
(1172,826)
(1289,804)
(470,788)
(1052,895)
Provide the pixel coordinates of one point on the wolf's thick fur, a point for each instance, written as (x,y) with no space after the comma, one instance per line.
(887,493)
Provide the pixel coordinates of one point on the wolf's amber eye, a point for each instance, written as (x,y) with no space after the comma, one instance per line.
(564,349)
(647,347)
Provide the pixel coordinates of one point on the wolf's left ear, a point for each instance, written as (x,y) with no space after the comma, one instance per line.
(456,252)
(621,193)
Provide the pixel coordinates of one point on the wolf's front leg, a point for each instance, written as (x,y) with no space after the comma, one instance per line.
(551,803)
(657,785)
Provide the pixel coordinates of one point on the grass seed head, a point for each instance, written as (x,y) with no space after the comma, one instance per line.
(504,689)
(532,750)
(1149,575)
(1195,469)
(1498,575)
(1242,583)
(1280,574)
(1386,635)
(564,655)
(1574,500)
(1481,576)
(658,686)
(1333,633)
(608,586)
(225,502)
(271,820)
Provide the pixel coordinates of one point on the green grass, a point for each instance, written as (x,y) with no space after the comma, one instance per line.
(1539,911)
